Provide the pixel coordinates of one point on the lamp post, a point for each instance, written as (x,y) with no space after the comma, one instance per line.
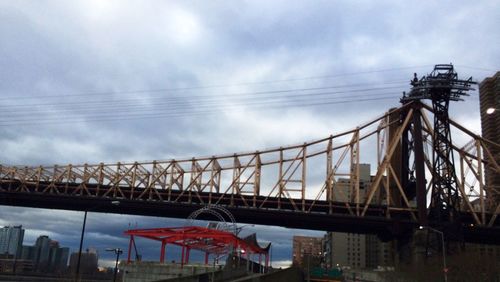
(445,270)
(77,272)
(118,252)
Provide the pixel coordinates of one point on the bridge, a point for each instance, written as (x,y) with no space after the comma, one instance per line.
(383,177)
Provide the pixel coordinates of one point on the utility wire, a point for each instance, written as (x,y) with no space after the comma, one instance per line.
(176,114)
(257,93)
(177,105)
(218,85)
(112,108)
(108,104)
(190,106)
(216,107)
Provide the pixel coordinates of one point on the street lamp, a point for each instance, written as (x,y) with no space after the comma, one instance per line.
(77,273)
(445,270)
(490,111)
(118,252)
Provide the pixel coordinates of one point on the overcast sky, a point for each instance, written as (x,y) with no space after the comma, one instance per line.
(107,81)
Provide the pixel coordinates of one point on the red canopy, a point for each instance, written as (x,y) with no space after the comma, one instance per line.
(210,241)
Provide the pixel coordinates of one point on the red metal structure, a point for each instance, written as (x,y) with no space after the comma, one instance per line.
(210,241)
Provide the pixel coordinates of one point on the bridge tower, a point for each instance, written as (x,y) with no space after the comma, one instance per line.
(441,86)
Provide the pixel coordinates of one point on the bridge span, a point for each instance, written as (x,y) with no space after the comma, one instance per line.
(317,185)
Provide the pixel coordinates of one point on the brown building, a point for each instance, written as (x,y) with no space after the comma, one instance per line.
(306,247)
(88,262)
(489,97)
(350,249)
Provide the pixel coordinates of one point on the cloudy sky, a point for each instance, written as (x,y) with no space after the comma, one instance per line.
(107,81)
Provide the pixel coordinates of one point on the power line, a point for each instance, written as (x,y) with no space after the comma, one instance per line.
(175,114)
(107,108)
(187,108)
(179,105)
(220,95)
(188,104)
(217,85)
(189,100)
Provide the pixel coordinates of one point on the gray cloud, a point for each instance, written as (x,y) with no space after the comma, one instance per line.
(76,50)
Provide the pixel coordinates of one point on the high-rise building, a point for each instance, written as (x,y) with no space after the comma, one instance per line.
(378,253)
(350,249)
(28,253)
(46,255)
(345,249)
(42,246)
(489,98)
(58,258)
(306,248)
(11,240)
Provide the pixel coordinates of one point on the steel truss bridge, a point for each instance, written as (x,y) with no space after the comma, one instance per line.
(318,185)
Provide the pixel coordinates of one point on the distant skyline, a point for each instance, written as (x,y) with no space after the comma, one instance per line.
(99,238)
(105,81)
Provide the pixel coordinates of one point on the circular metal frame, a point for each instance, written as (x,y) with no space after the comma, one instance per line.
(227,220)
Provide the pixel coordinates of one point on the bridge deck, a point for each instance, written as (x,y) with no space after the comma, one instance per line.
(320,217)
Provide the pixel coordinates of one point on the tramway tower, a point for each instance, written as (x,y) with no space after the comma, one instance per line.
(441,86)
